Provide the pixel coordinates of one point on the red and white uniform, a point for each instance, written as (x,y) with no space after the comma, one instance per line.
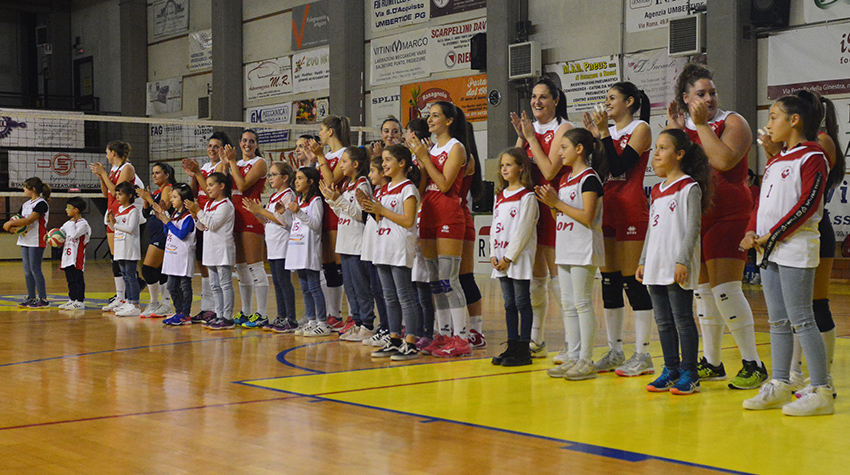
(77,236)
(442,213)
(513,233)
(206,170)
(34,235)
(350,223)
(575,243)
(305,236)
(370,231)
(668,217)
(179,257)
(245,221)
(626,210)
(330,220)
(545,134)
(791,206)
(127,240)
(277,236)
(112,203)
(395,244)
(216,221)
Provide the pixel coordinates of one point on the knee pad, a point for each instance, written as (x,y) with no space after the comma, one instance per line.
(243,275)
(434,275)
(449,268)
(732,305)
(470,288)
(258,274)
(163,279)
(612,290)
(333,274)
(707,312)
(151,274)
(823,316)
(538,291)
(116,269)
(638,295)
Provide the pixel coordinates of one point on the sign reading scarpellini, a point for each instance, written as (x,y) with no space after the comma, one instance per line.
(794,63)
(399,58)
(448,45)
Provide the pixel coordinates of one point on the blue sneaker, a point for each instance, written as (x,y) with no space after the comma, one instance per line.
(178,320)
(240,318)
(664,382)
(255,320)
(688,383)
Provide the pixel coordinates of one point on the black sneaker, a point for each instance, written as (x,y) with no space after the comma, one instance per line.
(709,372)
(39,303)
(26,303)
(406,352)
(389,349)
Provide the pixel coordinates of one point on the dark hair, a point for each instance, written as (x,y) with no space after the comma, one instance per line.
(221,137)
(521,158)
(358,154)
(477,187)
(184,191)
(558,95)
(168,170)
(457,129)
(253,132)
(808,108)
(309,137)
(691,73)
(222,179)
(829,124)
(341,127)
(312,174)
(391,118)
(419,127)
(694,163)
(594,153)
(126,188)
(78,203)
(402,154)
(377,161)
(122,149)
(641,101)
(285,169)
(40,187)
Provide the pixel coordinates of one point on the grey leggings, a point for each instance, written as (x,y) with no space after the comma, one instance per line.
(398,294)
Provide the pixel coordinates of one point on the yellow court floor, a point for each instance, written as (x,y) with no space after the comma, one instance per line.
(86,392)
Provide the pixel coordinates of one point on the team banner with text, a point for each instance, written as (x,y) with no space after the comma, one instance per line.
(41,132)
(268,78)
(586,82)
(468,92)
(793,63)
(57,169)
(644,15)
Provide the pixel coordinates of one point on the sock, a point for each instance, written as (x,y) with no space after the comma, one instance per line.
(710,324)
(119,288)
(614,318)
(261,285)
(449,274)
(797,357)
(153,288)
(539,309)
(324,282)
(246,287)
(207,303)
(643,330)
(736,312)
(475,322)
(164,294)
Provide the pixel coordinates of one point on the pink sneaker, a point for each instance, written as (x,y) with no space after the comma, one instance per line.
(458,347)
(335,323)
(423,343)
(438,342)
(477,340)
(349,324)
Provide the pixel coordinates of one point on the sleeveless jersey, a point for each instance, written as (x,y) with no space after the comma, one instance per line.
(349,227)
(218,219)
(127,243)
(277,236)
(440,208)
(206,171)
(179,258)
(507,222)
(668,219)
(305,243)
(34,235)
(155,226)
(77,236)
(545,134)
(629,185)
(575,243)
(255,190)
(111,202)
(370,231)
(394,244)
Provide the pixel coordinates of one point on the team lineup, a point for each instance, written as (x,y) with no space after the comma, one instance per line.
(389,227)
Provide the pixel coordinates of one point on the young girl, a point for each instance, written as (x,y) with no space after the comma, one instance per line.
(125,222)
(179,260)
(579,248)
(162,175)
(370,235)
(623,166)
(304,251)
(77,236)
(783,229)
(355,273)
(513,238)
(34,216)
(669,263)
(278,221)
(216,221)
(393,252)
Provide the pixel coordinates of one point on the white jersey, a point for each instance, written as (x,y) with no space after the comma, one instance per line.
(127,240)
(179,258)
(36,231)
(370,231)
(513,233)
(277,236)
(394,244)
(575,243)
(305,236)
(790,204)
(668,220)
(349,238)
(216,221)
(77,236)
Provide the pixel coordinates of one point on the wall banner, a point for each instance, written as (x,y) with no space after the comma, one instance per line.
(165,96)
(41,132)
(586,82)
(399,58)
(644,15)
(825,68)
(449,7)
(448,45)
(388,14)
(815,11)
(177,138)
(311,111)
(311,70)
(275,114)
(200,50)
(58,169)
(170,17)
(655,73)
(268,78)
(384,102)
(468,92)
(309,25)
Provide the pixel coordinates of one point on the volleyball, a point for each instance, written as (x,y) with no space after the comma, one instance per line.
(18,229)
(55,237)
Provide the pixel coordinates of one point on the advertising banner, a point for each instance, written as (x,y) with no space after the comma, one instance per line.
(468,92)
(200,50)
(644,15)
(310,25)
(268,78)
(388,14)
(384,102)
(815,11)
(165,96)
(794,62)
(275,114)
(448,45)
(449,7)
(170,17)
(399,58)
(586,82)
(311,70)
(57,169)
(17,131)
(655,73)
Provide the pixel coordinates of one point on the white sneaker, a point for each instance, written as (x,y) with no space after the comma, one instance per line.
(352,331)
(357,334)
(798,381)
(809,388)
(562,356)
(378,339)
(772,395)
(537,351)
(304,328)
(610,361)
(319,329)
(163,309)
(76,305)
(561,370)
(582,369)
(112,306)
(815,402)
(638,365)
(146,313)
(66,305)
(128,310)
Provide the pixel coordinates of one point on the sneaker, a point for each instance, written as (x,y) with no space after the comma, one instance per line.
(240,318)
(76,305)
(798,381)
(561,370)
(751,376)
(349,324)
(457,347)
(818,401)
(772,395)
(335,323)
(756,280)
(65,305)
(538,351)
(318,329)
(203,316)
(581,370)
(407,351)
(688,383)
(26,303)
(162,310)
(255,320)
(664,382)
(610,361)
(178,320)
(387,351)
(378,339)
(111,306)
(304,328)
(709,372)
(477,340)
(638,365)
(562,357)
(222,324)
(39,303)
(438,342)
(358,334)
(287,326)
(423,343)
(128,310)
(149,308)
(303,320)
(809,388)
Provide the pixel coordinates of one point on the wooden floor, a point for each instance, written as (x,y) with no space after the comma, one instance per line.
(92,393)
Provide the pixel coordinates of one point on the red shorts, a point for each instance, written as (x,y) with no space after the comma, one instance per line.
(624,220)
(441,218)
(722,239)
(330,220)
(545,226)
(244,221)
(469,231)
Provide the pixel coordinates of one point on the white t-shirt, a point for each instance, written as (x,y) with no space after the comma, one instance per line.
(513,233)
(216,221)
(305,236)
(350,227)
(77,236)
(277,236)
(394,244)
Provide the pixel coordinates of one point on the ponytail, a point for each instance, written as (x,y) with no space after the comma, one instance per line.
(641,101)
(594,152)
(41,188)
(694,163)
(829,124)
(341,127)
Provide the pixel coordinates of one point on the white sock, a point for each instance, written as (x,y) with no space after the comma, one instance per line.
(643,330)
(246,287)
(153,288)
(539,309)
(460,321)
(207,303)
(614,318)
(443,317)
(829,346)
(261,285)
(710,324)
(333,301)
(119,288)
(475,322)
(738,316)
